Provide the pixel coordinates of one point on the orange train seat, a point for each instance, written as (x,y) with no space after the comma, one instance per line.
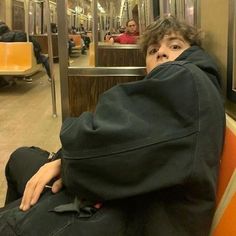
(77,40)
(224,219)
(224,222)
(228,163)
(17,58)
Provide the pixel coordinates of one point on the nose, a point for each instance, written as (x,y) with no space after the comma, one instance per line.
(162,52)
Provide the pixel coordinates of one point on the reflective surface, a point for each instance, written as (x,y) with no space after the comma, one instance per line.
(183,9)
(231,65)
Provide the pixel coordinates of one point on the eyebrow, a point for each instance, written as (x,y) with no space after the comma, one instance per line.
(171,38)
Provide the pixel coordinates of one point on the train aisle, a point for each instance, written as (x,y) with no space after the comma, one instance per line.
(26,119)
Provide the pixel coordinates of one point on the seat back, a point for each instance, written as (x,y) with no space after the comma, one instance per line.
(19,54)
(228,162)
(224,219)
(16,54)
(77,39)
(2,54)
(17,58)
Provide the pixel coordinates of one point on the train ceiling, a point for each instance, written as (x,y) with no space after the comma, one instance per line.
(104,3)
(110,6)
(114,8)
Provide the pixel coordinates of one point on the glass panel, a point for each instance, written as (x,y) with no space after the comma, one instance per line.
(38,22)
(34,20)
(183,9)
(234,49)
(231,65)
(189,11)
(18,15)
(31,17)
(145,14)
(142,15)
(113,15)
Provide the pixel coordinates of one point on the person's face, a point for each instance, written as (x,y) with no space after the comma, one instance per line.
(168,49)
(131,26)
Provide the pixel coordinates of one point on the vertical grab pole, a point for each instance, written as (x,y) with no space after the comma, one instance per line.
(95,29)
(26,7)
(50,58)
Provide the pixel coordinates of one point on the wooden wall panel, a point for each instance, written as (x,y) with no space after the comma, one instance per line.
(42,39)
(84,91)
(120,57)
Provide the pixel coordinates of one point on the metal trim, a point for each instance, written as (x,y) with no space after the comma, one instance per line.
(63,55)
(50,59)
(119,46)
(95,29)
(107,71)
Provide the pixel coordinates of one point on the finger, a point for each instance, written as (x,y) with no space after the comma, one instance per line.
(32,185)
(27,196)
(36,184)
(57,186)
(36,194)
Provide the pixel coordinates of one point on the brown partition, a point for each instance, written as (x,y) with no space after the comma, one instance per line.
(42,39)
(84,91)
(120,55)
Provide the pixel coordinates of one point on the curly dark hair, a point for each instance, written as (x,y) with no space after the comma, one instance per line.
(167,25)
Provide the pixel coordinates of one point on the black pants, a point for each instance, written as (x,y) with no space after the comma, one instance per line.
(45,62)
(22,165)
(43,219)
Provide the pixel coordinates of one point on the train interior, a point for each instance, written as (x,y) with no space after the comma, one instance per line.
(72,35)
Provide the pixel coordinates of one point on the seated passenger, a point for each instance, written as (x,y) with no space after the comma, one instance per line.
(145,163)
(18,36)
(54,28)
(130,35)
(86,39)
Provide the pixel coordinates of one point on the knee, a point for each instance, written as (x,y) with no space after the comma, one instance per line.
(16,157)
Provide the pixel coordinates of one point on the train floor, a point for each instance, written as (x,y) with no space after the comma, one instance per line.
(26,116)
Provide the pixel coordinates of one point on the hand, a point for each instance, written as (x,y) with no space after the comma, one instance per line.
(111,40)
(36,184)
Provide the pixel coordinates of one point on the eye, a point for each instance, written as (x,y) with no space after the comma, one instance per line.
(175,47)
(152,51)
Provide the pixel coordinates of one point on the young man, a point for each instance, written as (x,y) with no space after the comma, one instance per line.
(130,36)
(144,163)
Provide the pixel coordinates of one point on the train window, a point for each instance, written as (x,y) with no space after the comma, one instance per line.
(18,14)
(231,64)
(113,15)
(145,15)
(183,9)
(189,11)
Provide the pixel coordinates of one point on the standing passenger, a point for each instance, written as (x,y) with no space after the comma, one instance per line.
(145,163)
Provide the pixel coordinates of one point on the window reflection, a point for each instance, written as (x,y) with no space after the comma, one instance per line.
(189,11)
(185,9)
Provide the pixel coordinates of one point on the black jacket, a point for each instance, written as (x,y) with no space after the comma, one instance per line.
(150,152)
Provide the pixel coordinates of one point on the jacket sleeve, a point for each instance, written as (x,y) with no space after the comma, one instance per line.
(141,137)
(117,39)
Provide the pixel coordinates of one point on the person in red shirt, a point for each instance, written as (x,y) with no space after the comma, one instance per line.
(130,36)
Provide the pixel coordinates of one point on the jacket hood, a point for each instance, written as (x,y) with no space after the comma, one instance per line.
(201,59)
